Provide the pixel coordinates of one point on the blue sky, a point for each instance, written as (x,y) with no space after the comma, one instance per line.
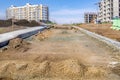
(61,11)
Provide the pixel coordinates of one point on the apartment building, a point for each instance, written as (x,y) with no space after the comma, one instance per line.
(90,17)
(28,12)
(109,9)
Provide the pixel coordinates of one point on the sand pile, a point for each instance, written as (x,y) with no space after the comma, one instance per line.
(116,69)
(27,70)
(95,72)
(45,67)
(62,27)
(68,68)
(22,70)
(50,57)
(5,78)
(42,35)
(17,44)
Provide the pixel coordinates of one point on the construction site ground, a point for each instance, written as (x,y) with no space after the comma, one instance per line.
(59,54)
(103,29)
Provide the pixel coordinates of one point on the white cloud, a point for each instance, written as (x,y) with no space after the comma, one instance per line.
(69,15)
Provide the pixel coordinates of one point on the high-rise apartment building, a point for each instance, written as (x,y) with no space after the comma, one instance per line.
(28,12)
(109,9)
(90,17)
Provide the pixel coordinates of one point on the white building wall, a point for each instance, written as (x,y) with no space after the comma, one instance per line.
(108,9)
(116,8)
(28,12)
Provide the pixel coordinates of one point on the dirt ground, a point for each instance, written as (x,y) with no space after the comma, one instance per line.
(103,29)
(58,54)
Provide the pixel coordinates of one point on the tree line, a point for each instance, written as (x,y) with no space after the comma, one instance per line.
(7,23)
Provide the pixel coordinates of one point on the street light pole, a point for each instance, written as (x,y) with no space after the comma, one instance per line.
(12,23)
(97,20)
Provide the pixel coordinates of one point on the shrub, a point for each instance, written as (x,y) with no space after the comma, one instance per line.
(5,23)
(27,23)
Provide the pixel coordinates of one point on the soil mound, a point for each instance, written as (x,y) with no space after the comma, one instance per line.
(68,69)
(95,72)
(116,69)
(50,58)
(5,78)
(42,35)
(16,70)
(17,44)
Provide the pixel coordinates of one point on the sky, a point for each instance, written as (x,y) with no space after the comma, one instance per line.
(61,11)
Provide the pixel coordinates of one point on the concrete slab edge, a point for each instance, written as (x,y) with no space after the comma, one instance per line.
(106,40)
(24,33)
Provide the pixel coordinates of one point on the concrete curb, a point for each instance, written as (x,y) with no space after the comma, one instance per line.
(24,33)
(106,40)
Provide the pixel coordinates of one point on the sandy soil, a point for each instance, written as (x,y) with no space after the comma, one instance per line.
(103,29)
(58,54)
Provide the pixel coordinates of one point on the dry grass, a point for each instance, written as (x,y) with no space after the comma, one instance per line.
(9,29)
(103,29)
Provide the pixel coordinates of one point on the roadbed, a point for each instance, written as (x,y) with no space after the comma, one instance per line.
(60,54)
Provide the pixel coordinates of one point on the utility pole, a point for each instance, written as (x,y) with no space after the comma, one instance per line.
(97,5)
(97,20)
(12,23)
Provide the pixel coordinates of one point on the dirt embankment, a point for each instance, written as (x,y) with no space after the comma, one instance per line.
(103,29)
(49,66)
(62,27)
(42,35)
(16,44)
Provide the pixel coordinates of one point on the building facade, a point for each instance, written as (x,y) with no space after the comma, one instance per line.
(28,12)
(109,9)
(90,17)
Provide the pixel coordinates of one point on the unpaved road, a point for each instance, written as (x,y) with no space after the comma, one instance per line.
(62,55)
